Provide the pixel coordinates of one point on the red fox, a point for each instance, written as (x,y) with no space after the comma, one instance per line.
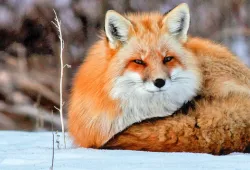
(146,66)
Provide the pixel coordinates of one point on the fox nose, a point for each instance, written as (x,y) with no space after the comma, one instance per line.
(159,83)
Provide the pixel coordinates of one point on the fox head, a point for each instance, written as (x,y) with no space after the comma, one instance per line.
(139,70)
(154,72)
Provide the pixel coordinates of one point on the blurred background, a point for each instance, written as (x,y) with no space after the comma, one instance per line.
(29,47)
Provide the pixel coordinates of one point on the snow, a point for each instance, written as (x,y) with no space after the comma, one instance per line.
(33,150)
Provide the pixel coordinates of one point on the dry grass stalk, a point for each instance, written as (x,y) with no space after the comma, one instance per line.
(57,24)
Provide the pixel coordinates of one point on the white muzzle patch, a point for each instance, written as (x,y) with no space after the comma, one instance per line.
(142,100)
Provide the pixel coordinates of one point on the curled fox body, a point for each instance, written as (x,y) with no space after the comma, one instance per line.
(216,122)
(145,66)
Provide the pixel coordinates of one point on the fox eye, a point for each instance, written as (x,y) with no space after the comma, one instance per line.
(167,59)
(139,62)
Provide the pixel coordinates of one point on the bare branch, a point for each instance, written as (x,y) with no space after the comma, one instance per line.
(55,24)
(58,26)
(56,108)
(67,65)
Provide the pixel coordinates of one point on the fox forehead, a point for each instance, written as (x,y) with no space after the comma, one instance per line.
(152,48)
(149,37)
(147,28)
(146,22)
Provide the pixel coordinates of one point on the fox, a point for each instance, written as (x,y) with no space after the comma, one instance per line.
(146,66)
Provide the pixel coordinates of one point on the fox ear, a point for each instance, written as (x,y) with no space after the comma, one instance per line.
(117,28)
(177,21)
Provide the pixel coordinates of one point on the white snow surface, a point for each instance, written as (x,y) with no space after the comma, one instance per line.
(33,151)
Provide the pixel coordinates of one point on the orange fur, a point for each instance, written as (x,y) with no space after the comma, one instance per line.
(216,126)
(220,122)
(92,110)
(92,83)
(219,67)
(83,96)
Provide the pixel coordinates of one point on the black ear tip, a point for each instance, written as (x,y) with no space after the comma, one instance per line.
(180,5)
(169,11)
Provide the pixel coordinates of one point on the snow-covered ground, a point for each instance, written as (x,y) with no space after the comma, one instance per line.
(33,151)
